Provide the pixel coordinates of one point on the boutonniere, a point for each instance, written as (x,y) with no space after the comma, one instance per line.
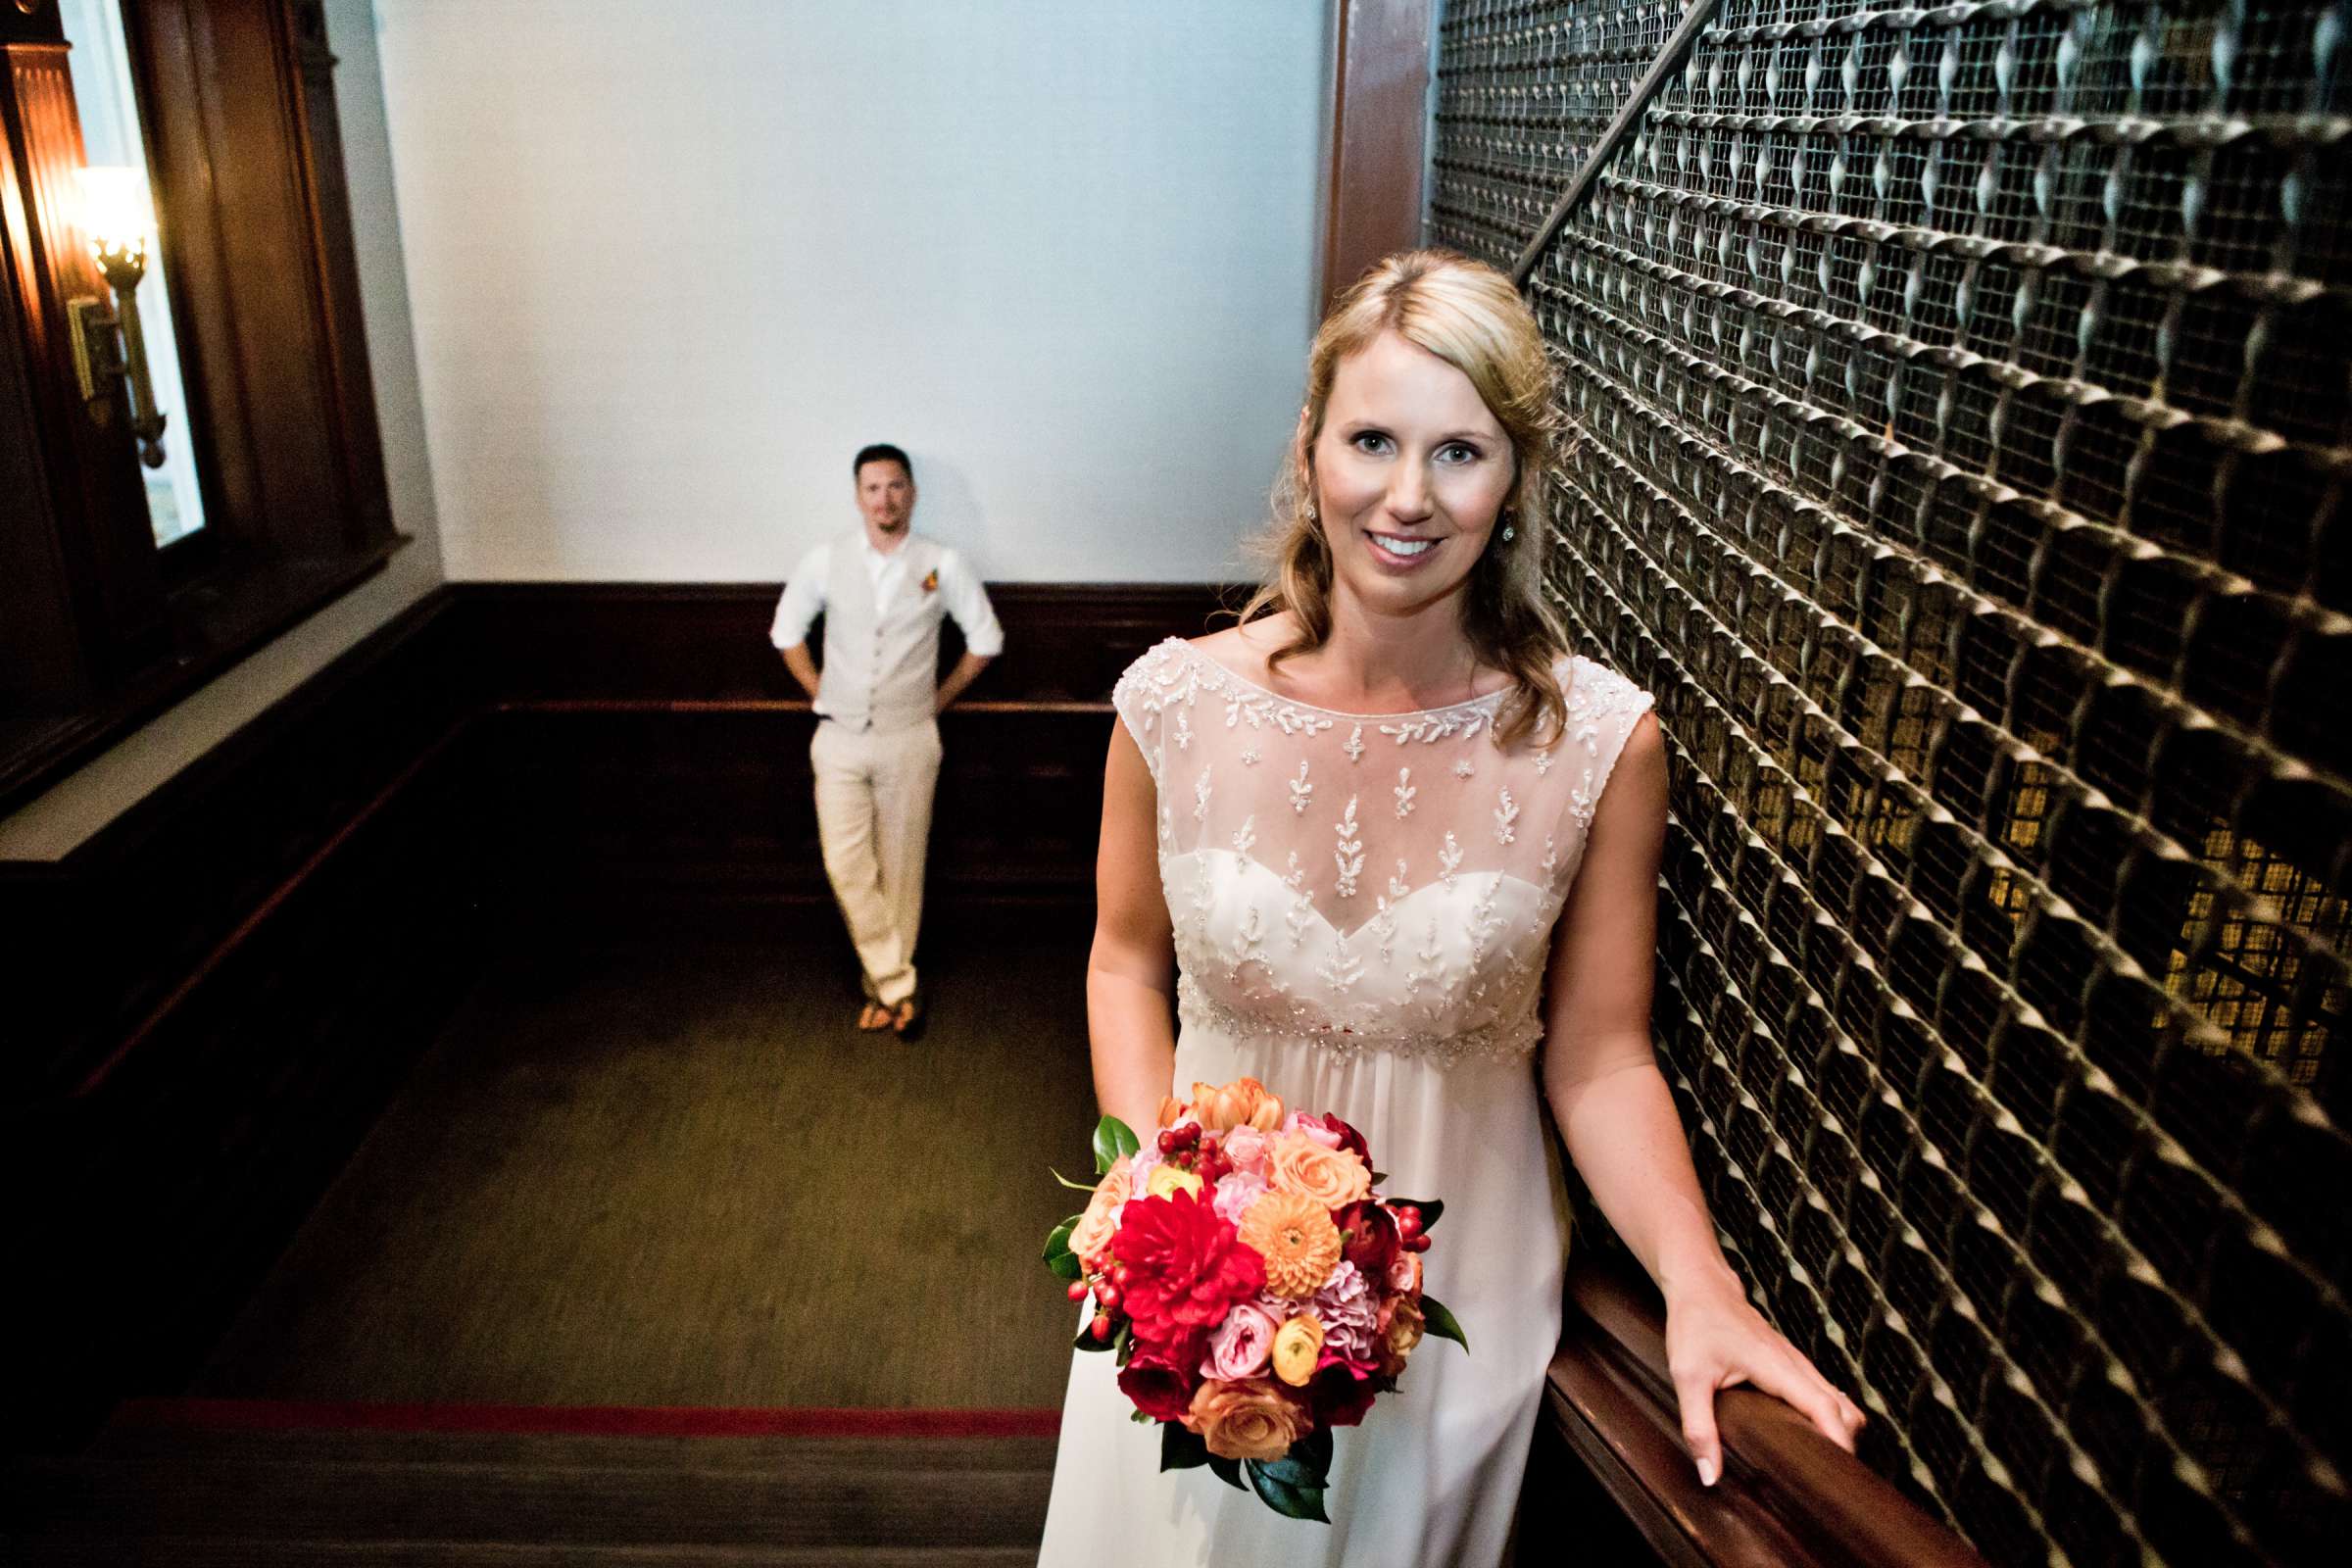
(931,582)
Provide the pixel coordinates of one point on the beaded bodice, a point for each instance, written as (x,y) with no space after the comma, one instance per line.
(1366,882)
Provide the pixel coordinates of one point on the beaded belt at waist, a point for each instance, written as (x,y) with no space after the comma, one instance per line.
(1503,1040)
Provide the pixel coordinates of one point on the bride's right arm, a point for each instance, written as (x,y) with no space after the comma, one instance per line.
(1131,973)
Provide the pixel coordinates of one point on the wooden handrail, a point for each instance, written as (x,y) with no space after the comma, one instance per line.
(1788,1496)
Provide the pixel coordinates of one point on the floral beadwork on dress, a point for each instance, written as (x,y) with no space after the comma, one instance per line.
(1280,933)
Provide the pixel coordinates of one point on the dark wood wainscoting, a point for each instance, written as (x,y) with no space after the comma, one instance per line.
(211,1001)
(650,746)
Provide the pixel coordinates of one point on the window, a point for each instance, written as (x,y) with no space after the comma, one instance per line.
(123,585)
(100,62)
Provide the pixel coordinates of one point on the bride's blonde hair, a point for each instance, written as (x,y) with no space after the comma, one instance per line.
(1468,315)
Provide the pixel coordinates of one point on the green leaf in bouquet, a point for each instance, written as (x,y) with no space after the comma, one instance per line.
(1076,1187)
(1307,1464)
(1440,1322)
(1125,1343)
(1180,1450)
(1228,1471)
(1112,1142)
(1432,1210)
(1291,1502)
(1058,1257)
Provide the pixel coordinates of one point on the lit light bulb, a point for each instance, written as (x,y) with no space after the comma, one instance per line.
(117,216)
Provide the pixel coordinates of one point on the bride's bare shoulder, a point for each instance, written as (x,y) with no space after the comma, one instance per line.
(1244,648)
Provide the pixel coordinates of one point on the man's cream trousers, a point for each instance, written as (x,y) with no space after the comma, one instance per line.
(873,819)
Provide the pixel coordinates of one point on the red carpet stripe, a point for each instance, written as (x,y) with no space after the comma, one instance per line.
(596,1420)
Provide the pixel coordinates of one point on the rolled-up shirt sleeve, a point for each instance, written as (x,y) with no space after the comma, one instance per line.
(967,601)
(804,598)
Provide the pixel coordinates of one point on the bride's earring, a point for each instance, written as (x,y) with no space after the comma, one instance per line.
(1509,532)
(1311,509)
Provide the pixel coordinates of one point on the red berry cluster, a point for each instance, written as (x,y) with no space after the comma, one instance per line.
(1187,1147)
(1409,1234)
(1108,1288)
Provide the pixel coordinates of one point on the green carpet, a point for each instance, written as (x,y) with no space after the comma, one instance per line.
(668,1171)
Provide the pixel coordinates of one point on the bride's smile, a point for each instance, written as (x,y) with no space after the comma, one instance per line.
(1411,470)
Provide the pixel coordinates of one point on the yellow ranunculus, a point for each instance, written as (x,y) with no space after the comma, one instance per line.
(1298,1344)
(1168,1180)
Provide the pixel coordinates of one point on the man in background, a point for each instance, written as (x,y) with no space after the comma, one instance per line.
(884,590)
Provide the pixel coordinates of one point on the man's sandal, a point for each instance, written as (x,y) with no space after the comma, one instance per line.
(908,1020)
(873,1018)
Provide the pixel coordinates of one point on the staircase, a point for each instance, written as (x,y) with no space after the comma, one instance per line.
(195,1498)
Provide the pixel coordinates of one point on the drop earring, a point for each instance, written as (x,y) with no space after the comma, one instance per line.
(1311,509)
(1509,532)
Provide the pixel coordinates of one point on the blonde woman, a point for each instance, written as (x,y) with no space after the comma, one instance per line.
(1386,847)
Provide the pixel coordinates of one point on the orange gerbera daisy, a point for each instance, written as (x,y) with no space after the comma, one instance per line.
(1296,1237)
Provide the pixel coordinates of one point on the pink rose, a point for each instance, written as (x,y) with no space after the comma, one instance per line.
(1245,1148)
(1236,1192)
(1312,1129)
(1404,1272)
(1239,1346)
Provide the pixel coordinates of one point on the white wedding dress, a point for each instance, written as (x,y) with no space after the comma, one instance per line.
(1363,909)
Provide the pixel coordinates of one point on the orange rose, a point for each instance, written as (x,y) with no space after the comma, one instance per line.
(1332,1177)
(1296,1239)
(1402,1333)
(1248,1419)
(1093,1234)
(1171,1110)
(1243,1102)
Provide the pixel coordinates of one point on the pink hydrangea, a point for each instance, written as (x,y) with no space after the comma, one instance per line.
(1139,1174)
(1348,1308)
(1236,1192)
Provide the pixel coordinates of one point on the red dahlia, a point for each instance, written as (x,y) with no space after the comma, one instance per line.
(1186,1266)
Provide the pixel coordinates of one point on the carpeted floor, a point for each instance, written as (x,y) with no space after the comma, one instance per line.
(667,1172)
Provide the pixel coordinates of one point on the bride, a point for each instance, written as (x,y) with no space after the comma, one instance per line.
(1387,848)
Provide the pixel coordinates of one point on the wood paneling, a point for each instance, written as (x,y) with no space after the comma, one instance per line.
(652,744)
(42,678)
(1379,135)
(265,285)
(98,520)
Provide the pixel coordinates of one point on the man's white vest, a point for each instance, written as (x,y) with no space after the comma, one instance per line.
(881,670)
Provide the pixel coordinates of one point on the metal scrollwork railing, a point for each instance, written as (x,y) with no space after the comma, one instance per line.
(1965,425)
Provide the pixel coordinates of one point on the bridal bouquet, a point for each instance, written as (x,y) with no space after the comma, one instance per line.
(1255,1285)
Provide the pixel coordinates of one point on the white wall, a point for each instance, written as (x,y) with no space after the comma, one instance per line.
(671,265)
(53,822)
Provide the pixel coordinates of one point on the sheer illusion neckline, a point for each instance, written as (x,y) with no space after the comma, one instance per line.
(1186,645)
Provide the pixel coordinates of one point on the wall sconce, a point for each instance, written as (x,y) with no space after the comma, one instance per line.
(108,345)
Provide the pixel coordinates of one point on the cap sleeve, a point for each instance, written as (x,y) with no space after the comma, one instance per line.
(1603,706)
(1143,693)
